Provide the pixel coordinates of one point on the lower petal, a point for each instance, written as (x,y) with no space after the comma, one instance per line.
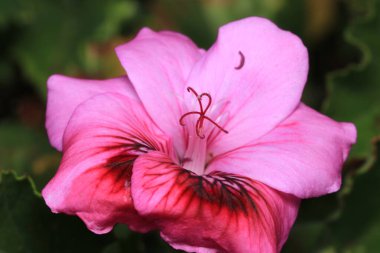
(217,212)
(103,138)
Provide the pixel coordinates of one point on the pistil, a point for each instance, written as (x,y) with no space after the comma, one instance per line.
(195,155)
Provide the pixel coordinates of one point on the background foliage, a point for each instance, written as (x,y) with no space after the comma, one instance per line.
(77,37)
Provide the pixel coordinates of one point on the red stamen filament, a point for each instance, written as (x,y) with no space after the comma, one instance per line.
(202,114)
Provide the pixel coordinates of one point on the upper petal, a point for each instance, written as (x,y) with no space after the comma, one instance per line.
(66,93)
(302,156)
(255,74)
(102,140)
(158,65)
(218,212)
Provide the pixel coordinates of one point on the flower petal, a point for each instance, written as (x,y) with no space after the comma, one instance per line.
(218,212)
(66,93)
(301,156)
(158,65)
(103,138)
(256,73)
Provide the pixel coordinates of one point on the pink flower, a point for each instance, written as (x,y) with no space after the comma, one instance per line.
(213,148)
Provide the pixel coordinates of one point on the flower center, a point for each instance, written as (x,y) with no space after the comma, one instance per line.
(202,114)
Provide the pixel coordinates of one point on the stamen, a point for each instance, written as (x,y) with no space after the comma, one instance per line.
(213,122)
(199,128)
(183,116)
(242,61)
(202,114)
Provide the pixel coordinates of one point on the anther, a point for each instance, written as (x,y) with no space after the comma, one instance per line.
(201,113)
(242,61)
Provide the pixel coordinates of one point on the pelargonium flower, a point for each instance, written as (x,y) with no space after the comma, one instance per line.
(212,148)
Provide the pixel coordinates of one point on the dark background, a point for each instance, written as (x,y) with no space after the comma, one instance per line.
(77,37)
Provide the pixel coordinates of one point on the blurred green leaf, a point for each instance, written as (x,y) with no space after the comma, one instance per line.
(137,243)
(27,152)
(27,226)
(358,227)
(353,222)
(200,19)
(354,91)
(53,34)
(304,237)
(12,11)
(222,12)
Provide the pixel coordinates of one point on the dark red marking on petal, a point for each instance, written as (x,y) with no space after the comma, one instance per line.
(124,150)
(242,61)
(97,176)
(221,190)
(129,149)
(202,114)
(103,191)
(220,211)
(184,160)
(116,169)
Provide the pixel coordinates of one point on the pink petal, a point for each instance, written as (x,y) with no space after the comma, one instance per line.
(218,212)
(66,93)
(102,140)
(251,99)
(158,65)
(302,156)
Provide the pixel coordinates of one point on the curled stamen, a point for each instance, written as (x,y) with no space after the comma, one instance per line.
(242,61)
(209,101)
(183,116)
(191,90)
(215,124)
(202,114)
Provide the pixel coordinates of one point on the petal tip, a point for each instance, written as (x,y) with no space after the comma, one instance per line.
(93,226)
(350,131)
(53,79)
(335,186)
(50,200)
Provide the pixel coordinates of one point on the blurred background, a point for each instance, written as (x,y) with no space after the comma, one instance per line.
(77,37)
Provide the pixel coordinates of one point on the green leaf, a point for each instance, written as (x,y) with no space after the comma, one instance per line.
(304,237)
(137,243)
(219,13)
(354,92)
(53,35)
(200,20)
(27,152)
(28,226)
(358,227)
